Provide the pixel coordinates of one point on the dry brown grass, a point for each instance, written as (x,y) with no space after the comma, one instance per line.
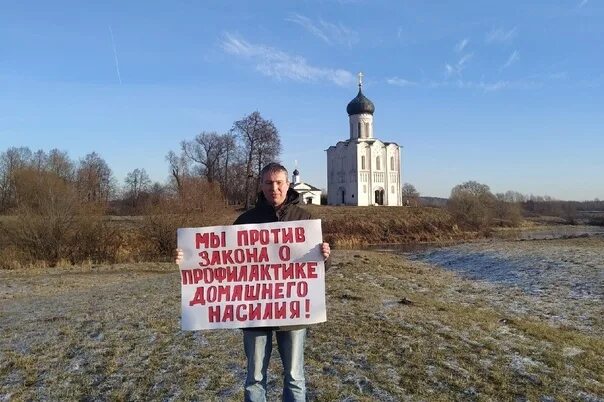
(31,240)
(351,227)
(396,330)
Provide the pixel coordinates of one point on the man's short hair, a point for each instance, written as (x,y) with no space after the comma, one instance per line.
(273,167)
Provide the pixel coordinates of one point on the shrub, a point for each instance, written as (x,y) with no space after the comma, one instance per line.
(50,225)
(158,233)
(41,236)
(201,204)
(471,204)
(96,239)
(507,214)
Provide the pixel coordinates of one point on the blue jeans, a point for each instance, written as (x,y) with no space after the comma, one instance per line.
(258,345)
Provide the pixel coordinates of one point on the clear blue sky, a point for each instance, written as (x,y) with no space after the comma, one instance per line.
(506,93)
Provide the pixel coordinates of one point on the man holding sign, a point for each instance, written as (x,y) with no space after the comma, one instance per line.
(263,278)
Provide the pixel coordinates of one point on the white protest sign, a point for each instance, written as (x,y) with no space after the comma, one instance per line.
(256,275)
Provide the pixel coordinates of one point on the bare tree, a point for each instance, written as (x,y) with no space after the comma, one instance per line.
(236,186)
(230,153)
(179,170)
(137,183)
(268,148)
(261,144)
(94,179)
(507,211)
(39,160)
(206,149)
(11,161)
(410,195)
(59,163)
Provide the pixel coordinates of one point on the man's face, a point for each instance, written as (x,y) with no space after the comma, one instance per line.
(274,187)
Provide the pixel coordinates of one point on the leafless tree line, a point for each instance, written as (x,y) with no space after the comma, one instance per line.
(233,159)
(473,206)
(90,178)
(476,207)
(58,207)
(228,163)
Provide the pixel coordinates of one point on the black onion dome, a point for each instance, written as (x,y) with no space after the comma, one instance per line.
(296,173)
(360,105)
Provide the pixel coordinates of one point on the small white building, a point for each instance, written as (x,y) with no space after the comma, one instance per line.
(363,170)
(310,194)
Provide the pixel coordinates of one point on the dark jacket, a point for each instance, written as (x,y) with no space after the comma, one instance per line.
(263,212)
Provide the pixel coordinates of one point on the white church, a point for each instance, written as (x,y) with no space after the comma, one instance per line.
(363,170)
(310,194)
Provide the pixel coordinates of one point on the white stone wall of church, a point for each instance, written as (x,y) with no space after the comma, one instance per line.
(341,166)
(345,172)
(362,188)
(394,175)
(372,179)
(336,177)
(330,182)
(379,175)
(351,175)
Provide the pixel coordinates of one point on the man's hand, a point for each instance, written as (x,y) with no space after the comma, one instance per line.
(178,256)
(325,250)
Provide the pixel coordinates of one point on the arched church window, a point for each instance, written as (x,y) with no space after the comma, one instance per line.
(363,162)
(377,163)
(360,136)
(367,129)
(392,163)
(392,189)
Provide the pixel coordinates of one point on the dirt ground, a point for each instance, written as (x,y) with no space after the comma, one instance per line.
(397,329)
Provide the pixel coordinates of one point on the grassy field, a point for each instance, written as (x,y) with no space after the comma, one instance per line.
(396,330)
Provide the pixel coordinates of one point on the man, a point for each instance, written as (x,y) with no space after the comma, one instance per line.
(276,202)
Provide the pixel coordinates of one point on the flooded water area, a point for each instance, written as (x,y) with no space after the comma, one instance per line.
(557,274)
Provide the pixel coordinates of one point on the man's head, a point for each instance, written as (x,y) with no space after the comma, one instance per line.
(274,183)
